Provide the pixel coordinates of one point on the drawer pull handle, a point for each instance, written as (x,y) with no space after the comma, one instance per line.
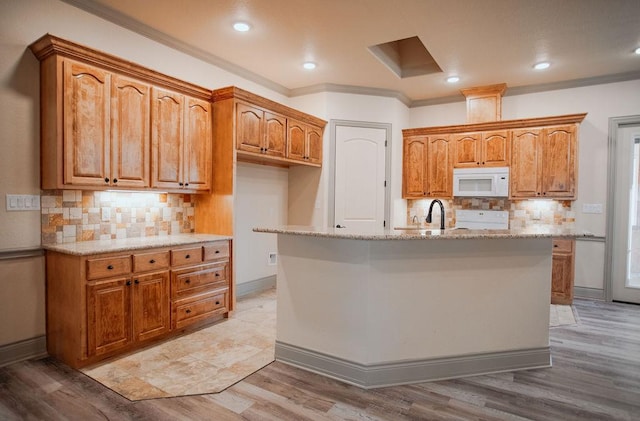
(217,251)
(555,245)
(128,283)
(187,281)
(188,256)
(188,311)
(110,267)
(152,261)
(217,303)
(217,274)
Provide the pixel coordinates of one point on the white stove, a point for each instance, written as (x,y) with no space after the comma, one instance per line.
(482,219)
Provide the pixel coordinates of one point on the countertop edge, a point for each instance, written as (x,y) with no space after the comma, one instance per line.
(85,248)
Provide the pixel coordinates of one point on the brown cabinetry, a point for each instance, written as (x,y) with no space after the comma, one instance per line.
(99,114)
(427,167)
(562,273)
(544,162)
(304,142)
(260,132)
(102,305)
(490,149)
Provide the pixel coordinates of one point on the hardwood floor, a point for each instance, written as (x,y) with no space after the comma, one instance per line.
(595,376)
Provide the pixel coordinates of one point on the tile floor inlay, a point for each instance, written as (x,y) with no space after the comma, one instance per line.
(206,361)
(214,358)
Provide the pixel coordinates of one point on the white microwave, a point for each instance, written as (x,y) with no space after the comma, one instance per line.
(481,182)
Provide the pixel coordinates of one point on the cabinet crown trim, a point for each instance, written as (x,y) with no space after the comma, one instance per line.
(49,45)
(497,125)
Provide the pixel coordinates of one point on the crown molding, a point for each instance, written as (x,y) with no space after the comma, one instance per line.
(351,89)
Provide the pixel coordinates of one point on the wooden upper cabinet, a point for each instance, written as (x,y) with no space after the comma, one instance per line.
(304,142)
(259,131)
(197,145)
(130,132)
(85,121)
(98,115)
(427,167)
(543,162)
(488,149)
(181,142)
(440,166)
(414,167)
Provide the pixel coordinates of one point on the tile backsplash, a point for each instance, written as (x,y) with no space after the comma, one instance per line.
(522,213)
(69,216)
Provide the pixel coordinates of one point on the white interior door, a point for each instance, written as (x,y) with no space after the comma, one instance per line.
(360,172)
(625,256)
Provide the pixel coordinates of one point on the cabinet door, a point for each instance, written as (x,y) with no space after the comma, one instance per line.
(296,140)
(439,167)
(525,163)
(275,127)
(467,148)
(314,145)
(86,125)
(130,133)
(562,272)
(151,306)
(559,162)
(249,128)
(496,149)
(167,139)
(108,315)
(197,145)
(414,161)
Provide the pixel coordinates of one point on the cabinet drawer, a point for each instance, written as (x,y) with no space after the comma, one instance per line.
(199,308)
(188,256)
(216,251)
(108,267)
(144,262)
(562,246)
(203,277)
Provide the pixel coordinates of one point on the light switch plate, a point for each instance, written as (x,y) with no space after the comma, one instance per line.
(22,202)
(592,208)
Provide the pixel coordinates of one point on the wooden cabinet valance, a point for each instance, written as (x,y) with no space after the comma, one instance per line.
(541,152)
(265,131)
(107,123)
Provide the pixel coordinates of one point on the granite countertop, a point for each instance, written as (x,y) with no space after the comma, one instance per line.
(83,248)
(406,233)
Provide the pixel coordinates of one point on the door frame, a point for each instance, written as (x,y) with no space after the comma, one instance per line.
(333,126)
(615,124)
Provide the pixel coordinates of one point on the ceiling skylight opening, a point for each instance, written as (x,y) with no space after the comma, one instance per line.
(453,79)
(241,26)
(543,65)
(309,65)
(406,57)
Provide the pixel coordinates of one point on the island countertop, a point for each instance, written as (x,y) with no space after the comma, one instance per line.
(407,233)
(83,248)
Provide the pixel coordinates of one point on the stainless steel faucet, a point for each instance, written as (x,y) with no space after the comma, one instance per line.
(441,212)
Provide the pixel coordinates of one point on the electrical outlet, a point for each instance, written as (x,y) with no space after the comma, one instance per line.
(272,259)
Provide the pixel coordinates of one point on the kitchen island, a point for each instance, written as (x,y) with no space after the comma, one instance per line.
(394,307)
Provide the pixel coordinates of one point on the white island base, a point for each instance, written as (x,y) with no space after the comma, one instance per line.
(384,312)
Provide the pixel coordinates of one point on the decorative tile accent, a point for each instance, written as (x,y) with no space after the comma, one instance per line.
(522,213)
(69,216)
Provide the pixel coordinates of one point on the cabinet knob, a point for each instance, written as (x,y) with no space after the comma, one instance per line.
(555,245)
(188,256)
(115,180)
(135,281)
(186,184)
(181,184)
(217,251)
(106,179)
(128,283)
(187,281)
(187,311)
(217,274)
(217,303)
(110,267)
(152,261)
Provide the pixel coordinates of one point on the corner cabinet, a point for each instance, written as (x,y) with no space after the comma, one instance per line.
(266,132)
(541,154)
(102,305)
(101,124)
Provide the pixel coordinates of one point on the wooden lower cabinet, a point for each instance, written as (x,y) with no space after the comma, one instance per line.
(562,272)
(100,306)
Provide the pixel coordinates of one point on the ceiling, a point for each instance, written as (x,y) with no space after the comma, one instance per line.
(484,42)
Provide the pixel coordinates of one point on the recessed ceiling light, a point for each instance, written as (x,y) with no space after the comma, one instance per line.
(309,65)
(542,65)
(453,79)
(241,26)
(637,50)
